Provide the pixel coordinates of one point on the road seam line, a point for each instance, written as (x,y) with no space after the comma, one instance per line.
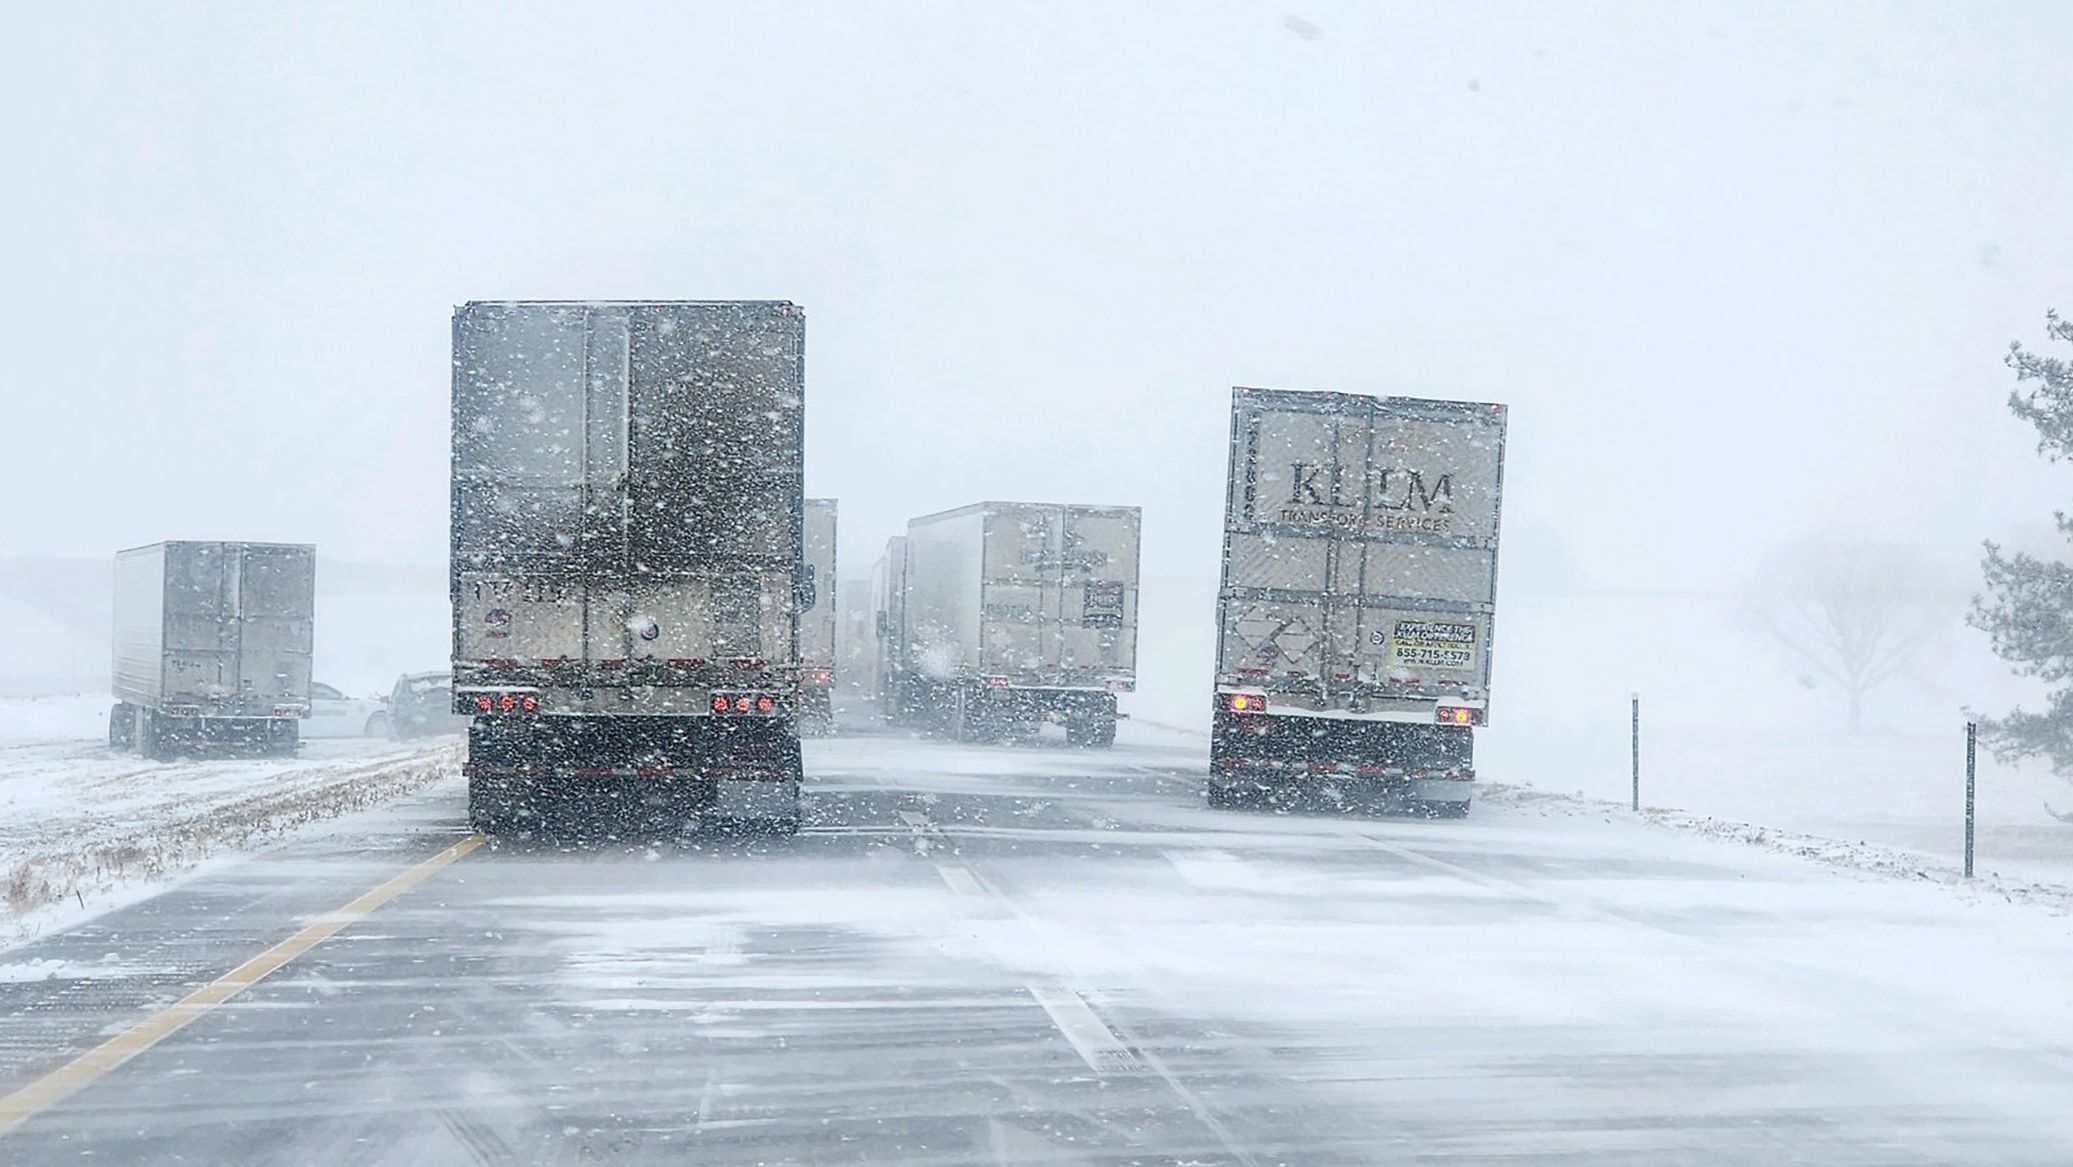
(83,1070)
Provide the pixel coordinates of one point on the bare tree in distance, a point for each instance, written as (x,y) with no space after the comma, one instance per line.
(1854,611)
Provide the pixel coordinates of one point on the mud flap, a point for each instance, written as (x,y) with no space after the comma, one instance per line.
(1438,790)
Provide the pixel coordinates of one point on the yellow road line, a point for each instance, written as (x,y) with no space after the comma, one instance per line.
(81,1071)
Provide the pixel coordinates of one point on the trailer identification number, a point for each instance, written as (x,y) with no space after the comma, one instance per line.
(1431,644)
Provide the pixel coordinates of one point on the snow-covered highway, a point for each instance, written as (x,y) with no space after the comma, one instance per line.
(1037,954)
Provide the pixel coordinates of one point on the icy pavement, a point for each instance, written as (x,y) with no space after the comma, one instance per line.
(1038,955)
(84,827)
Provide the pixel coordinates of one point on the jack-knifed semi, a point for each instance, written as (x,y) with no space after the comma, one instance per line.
(212,647)
(628,499)
(1013,614)
(817,620)
(1358,596)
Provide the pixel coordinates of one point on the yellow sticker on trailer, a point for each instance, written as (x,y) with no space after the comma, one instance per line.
(1432,644)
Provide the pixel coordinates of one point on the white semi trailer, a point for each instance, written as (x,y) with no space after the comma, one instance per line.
(626,562)
(1014,614)
(1358,596)
(212,647)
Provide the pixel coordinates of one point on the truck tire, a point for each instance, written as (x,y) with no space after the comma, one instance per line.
(122,726)
(377,726)
(148,735)
(1222,797)
(284,741)
(1442,810)
(964,727)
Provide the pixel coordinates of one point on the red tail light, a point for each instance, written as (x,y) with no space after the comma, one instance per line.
(737,704)
(1245,703)
(1459,715)
(507,703)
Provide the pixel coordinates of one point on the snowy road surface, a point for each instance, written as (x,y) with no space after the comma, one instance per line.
(1041,955)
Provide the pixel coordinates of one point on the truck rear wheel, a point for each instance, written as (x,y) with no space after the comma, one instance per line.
(966,723)
(283,738)
(122,726)
(150,734)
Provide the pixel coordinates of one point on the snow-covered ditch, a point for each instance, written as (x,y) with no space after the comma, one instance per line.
(2019,886)
(84,829)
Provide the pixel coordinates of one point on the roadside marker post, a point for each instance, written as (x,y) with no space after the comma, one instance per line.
(1971,769)
(1637,753)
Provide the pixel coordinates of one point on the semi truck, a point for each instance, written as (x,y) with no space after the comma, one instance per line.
(212,647)
(1358,595)
(626,569)
(889,623)
(817,623)
(1018,613)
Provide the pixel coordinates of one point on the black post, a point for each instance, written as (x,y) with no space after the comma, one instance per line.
(1637,752)
(1971,755)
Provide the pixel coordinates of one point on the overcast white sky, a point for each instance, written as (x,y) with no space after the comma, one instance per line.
(1741,269)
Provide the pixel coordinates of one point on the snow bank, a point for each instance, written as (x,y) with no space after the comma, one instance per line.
(2045,880)
(77,717)
(83,829)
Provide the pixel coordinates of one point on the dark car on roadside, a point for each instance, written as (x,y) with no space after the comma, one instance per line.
(421,705)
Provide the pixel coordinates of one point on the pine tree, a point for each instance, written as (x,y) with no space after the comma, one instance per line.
(2027,610)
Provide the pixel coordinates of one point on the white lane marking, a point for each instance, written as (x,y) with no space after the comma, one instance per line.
(1097,1044)
(960,879)
(1101,1048)
(1089,1036)
(1469,873)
